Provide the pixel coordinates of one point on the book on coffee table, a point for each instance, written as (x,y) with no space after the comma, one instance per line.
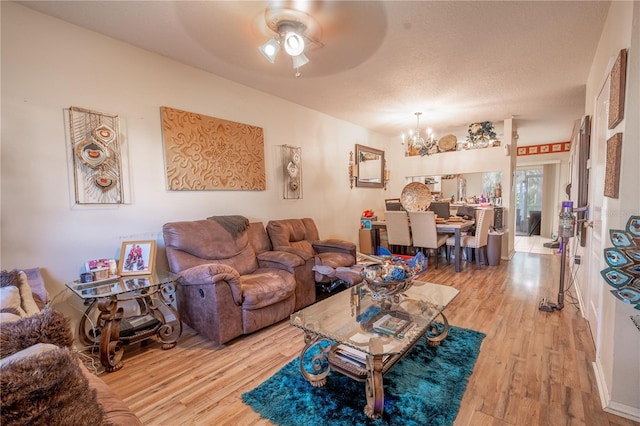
(388,324)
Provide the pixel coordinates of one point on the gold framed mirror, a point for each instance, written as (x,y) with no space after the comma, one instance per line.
(370,167)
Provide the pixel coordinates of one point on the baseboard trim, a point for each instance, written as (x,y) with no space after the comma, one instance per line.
(581,304)
(612,407)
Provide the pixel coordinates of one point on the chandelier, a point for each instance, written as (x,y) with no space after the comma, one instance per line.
(415,143)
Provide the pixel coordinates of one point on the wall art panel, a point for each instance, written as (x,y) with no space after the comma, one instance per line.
(292,171)
(207,153)
(97,166)
(612,166)
(617,89)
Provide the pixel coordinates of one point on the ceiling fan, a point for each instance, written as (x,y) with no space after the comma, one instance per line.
(295,30)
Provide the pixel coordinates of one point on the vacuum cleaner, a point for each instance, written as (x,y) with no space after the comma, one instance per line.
(566,230)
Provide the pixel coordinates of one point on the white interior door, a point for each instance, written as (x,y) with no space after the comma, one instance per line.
(595,243)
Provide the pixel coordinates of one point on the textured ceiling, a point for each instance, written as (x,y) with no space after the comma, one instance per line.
(456,62)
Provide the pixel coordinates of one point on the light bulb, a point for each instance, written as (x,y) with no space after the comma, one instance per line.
(293,43)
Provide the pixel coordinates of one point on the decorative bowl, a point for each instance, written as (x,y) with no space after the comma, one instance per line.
(415,196)
(388,278)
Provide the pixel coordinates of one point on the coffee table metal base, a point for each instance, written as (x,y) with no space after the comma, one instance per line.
(371,373)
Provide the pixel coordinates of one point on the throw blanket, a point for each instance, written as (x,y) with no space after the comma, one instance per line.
(234,225)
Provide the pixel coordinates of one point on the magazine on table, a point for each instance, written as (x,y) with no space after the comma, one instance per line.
(388,324)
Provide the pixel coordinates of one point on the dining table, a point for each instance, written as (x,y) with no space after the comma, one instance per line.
(455,227)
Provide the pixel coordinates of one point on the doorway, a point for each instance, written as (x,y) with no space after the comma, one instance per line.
(529,183)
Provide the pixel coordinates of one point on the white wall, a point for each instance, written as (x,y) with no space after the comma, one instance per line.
(49,65)
(617,339)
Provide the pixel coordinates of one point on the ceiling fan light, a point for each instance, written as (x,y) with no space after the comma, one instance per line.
(270,50)
(293,43)
(299,60)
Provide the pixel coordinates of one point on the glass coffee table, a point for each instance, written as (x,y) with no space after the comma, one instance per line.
(363,335)
(152,297)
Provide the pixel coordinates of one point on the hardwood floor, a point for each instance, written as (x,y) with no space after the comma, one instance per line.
(534,368)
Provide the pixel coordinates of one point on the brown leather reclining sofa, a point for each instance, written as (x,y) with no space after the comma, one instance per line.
(232,281)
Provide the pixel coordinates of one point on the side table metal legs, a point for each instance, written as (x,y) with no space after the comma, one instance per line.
(111,348)
(105,327)
(169,332)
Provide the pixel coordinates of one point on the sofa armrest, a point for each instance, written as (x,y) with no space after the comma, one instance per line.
(333,245)
(214,273)
(280,259)
(115,411)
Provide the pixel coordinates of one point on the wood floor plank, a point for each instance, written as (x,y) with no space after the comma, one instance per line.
(534,367)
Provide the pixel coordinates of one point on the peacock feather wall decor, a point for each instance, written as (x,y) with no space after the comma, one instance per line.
(623,260)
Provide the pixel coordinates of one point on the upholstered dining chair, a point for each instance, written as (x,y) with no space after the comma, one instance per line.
(398,232)
(478,242)
(425,234)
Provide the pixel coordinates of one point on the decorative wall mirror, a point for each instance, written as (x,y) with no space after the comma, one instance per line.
(370,167)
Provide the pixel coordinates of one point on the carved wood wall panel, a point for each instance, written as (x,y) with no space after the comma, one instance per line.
(207,153)
(612,166)
(617,89)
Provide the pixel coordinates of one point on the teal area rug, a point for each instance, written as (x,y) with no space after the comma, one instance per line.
(425,389)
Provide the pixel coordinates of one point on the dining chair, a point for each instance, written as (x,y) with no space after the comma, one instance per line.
(424,232)
(477,242)
(393,204)
(398,232)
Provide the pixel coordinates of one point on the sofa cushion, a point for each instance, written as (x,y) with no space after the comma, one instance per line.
(258,237)
(266,287)
(18,279)
(48,326)
(295,234)
(193,243)
(47,388)
(10,301)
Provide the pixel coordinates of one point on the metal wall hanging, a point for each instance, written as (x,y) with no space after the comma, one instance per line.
(205,153)
(97,166)
(292,171)
(623,263)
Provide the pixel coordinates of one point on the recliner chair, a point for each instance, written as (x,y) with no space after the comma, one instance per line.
(332,259)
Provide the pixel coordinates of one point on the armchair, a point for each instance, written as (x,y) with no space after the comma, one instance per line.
(332,259)
(230,284)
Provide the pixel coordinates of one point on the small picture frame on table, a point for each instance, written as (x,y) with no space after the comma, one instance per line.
(137,257)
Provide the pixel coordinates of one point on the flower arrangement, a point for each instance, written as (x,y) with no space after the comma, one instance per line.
(479,134)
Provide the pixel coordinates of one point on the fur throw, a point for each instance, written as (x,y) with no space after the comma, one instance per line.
(48,389)
(8,278)
(47,326)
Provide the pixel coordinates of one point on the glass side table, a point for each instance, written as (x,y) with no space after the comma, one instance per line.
(153,296)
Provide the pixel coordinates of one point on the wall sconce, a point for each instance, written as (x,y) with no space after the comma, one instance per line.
(353,170)
(387,175)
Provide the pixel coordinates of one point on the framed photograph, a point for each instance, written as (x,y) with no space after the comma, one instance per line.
(137,257)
